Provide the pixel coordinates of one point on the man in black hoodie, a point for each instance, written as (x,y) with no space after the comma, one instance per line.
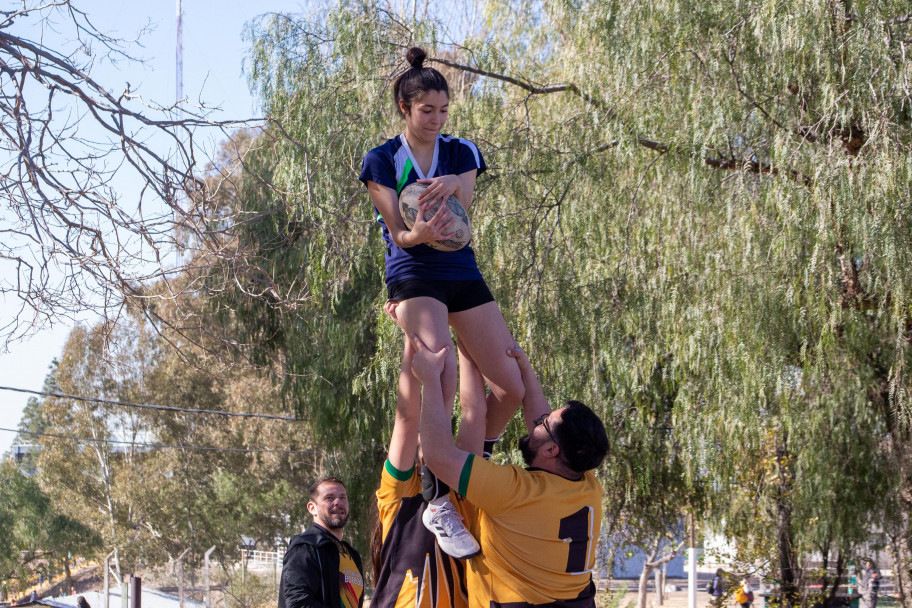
(320,570)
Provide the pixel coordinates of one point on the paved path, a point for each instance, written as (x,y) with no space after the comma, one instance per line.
(673,599)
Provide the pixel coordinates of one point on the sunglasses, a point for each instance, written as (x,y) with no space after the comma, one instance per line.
(543,421)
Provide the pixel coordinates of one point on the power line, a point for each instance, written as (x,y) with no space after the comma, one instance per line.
(146,406)
(161,445)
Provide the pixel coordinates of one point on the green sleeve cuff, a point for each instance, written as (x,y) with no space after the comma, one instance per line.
(396,473)
(466,473)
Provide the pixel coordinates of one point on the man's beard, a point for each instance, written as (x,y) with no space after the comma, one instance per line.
(526,450)
(336,521)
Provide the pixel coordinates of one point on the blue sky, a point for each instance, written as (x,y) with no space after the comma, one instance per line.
(213,59)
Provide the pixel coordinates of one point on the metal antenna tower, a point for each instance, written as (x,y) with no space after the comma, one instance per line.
(179,92)
(180,50)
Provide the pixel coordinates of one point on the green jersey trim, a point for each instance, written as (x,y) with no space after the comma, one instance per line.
(404,177)
(396,473)
(466,473)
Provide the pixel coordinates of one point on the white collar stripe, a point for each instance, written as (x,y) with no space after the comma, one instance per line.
(467,143)
(474,150)
(399,160)
(415,164)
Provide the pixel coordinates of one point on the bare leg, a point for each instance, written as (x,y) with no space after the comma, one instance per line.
(483,334)
(404,440)
(472,399)
(427,318)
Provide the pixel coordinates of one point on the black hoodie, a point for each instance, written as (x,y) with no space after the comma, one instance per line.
(310,570)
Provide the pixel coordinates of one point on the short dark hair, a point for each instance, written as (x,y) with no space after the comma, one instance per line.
(314,489)
(581,437)
(413,83)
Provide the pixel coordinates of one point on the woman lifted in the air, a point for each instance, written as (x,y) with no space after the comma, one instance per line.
(429,290)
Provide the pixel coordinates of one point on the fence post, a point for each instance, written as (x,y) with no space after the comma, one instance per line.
(278,571)
(208,582)
(135,592)
(107,580)
(180,576)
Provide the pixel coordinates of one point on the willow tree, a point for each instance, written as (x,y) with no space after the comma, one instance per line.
(715,190)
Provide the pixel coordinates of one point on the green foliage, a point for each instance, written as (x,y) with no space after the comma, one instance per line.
(151,503)
(249,590)
(31,425)
(32,527)
(703,232)
(696,219)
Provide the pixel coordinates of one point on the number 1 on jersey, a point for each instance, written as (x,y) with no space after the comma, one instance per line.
(577,528)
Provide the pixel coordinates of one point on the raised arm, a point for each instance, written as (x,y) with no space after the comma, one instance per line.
(445,460)
(534,403)
(404,441)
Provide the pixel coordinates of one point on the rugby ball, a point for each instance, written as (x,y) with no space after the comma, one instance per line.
(461,227)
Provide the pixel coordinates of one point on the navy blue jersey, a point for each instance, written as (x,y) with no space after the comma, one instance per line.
(393,165)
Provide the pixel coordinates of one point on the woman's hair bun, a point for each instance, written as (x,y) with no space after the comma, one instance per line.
(415,57)
(412,84)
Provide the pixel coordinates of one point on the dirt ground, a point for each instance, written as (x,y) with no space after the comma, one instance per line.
(87,578)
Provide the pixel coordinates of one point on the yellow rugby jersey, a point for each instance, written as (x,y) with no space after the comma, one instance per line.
(351,585)
(414,572)
(537,532)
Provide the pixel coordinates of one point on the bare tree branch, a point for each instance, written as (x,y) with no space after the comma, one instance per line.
(71,241)
(528,86)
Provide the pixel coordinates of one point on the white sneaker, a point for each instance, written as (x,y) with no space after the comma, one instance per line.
(451,533)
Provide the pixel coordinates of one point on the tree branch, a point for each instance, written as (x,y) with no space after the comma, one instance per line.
(528,86)
(68,141)
(668,557)
(754,166)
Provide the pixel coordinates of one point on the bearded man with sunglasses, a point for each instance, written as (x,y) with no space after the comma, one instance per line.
(537,526)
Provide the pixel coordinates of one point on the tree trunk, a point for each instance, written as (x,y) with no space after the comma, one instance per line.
(664,579)
(830,584)
(651,564)
(662,576)
(641,587)
(899,458)
(787,574)
(902,566)
(69,575)
(786,561)
(648,567)
(825,566)
(658,586)
(840,571)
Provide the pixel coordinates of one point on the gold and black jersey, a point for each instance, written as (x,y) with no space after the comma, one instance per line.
(414,572)
(537,532)
(351,583)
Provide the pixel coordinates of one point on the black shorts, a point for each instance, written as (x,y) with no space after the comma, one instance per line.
(456,295)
